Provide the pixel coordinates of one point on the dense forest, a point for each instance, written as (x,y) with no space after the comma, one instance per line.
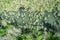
(29,19)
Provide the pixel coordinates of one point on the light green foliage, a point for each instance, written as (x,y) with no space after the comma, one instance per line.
(40,5)
(9,5)
(39,37)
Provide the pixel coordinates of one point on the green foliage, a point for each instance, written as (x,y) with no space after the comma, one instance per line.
(39,37)
(29,19)
(2,32)
(52,37)
(25,37)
